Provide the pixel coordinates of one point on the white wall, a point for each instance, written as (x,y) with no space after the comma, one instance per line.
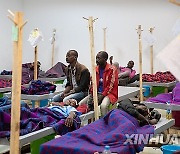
(121,17)
(6,44)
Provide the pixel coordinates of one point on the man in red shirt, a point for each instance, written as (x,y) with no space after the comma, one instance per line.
(107,84)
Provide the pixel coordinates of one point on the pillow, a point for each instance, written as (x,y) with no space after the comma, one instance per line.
(83,108)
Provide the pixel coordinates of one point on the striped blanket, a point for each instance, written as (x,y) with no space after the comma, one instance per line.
(111,130)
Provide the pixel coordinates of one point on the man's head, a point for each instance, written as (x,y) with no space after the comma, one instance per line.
(101,59)
(71,102)
(38,65)
(130,64)
(142,109)
(71,56)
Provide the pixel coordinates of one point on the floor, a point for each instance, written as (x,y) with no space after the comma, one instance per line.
(149,150)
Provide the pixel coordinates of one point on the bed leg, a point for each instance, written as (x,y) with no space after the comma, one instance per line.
(166,90)
(166,132)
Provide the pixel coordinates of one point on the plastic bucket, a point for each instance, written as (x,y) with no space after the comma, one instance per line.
(147,90)
(157,90)
(43,103)
(170,149)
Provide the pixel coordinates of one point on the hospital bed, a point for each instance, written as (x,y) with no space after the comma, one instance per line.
(156,84)
(53,79)
(6,89)
(5,76)
(173,107)
(38,98)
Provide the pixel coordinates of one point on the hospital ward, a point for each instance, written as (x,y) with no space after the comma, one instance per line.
(90,77)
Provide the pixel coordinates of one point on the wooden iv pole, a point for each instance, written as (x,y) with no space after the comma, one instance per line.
(53,44)
(91,21)
(139,30)
(35,63)
(174,2)
(17,19)
(104,29)
(151,53)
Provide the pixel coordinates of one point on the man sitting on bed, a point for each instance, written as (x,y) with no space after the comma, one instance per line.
(78,79)
(67,108)
(107,84)
(140,112)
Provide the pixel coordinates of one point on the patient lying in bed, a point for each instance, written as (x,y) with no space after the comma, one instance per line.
(68,109)
(140,112)
(33,119)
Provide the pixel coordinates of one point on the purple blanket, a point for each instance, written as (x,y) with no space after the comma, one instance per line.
(56,71)
(35,119)
(173,97)
(109,130)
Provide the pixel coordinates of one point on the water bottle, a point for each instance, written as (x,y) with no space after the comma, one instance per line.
(168,111)
(106,150)
(50,97)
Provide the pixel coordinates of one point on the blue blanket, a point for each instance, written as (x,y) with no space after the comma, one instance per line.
(111,130)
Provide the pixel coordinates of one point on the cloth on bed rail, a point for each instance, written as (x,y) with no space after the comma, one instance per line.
(5,72)
(110,130)
(35,119)
(173,97)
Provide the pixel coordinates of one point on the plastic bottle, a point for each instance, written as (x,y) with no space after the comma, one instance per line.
(106,150)
(50,97)
(168,111)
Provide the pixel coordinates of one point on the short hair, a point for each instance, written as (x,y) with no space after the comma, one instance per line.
(131,61)
(74,52)
(104,54)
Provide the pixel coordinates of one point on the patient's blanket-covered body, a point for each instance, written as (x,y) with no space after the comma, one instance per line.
(35,119)
(111,130)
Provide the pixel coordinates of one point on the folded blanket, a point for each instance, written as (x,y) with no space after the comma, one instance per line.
(111,130)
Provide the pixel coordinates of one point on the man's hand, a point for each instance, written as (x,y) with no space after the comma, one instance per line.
(71,92)
(69,119)
(63,95)
(100,98)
